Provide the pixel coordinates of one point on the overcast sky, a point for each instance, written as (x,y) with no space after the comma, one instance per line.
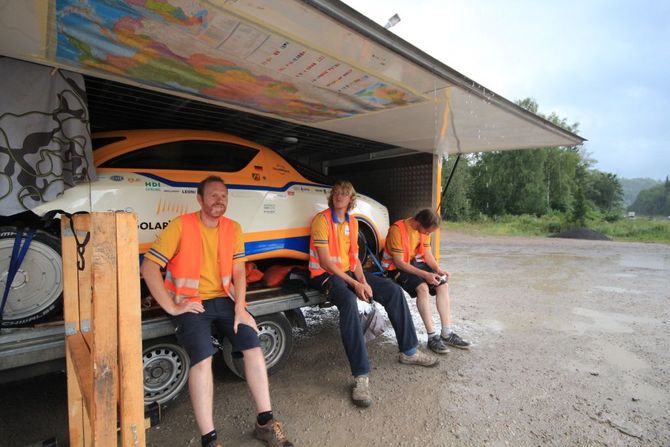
(602,64)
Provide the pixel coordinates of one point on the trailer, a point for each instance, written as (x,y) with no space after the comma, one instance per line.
(314,80)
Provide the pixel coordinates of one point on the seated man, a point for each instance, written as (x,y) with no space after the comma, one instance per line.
(408,260)
(205,283)
(336,270)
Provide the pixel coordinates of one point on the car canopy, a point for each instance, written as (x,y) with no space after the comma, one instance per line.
(314,64)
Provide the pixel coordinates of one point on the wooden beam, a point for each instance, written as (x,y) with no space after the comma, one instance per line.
(130,332)
(104,322)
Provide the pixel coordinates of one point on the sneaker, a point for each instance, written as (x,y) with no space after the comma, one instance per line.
(360,392)
(419,358)
(457,342)
(436,345)
(272,433)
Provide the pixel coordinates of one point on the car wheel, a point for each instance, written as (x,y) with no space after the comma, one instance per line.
(37,289)
(165,370)
(276,337)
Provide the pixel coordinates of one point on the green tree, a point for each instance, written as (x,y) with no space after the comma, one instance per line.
(527,181)
(653,201)
(604,191)
(456,203)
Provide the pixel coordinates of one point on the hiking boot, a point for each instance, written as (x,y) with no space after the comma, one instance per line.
(419,358)
(457,342)
(360,392)
(272,433)
(436,345)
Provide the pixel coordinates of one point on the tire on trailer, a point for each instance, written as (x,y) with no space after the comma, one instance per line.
(37,290)
(276,337)
(366,238)
(165,368)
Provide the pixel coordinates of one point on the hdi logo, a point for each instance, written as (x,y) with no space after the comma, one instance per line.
(152,184)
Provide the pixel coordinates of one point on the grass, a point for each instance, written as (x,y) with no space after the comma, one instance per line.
(631,230)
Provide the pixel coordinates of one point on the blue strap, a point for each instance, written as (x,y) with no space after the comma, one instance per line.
(18,253)
(376,261)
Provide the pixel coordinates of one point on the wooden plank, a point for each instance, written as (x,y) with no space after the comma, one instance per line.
(104,326)
(75,402)
(81,371)
(131,398)
(83,226)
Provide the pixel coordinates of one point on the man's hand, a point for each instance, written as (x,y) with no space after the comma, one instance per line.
(194,307)
(244,317)
(443,273)
(432,278)
(363,291)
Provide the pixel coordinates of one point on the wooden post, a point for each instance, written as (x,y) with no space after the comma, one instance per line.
(101,300)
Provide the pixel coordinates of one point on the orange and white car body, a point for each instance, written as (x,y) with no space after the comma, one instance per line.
(270,199)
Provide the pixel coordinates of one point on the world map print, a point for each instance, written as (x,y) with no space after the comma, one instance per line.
(194,47)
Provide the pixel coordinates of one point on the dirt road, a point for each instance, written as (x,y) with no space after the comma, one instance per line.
(571,346)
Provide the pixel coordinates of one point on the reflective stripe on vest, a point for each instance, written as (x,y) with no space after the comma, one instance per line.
(315,268)
(387,258)
(182,278)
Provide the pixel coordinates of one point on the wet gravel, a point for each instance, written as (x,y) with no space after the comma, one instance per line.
(570,347)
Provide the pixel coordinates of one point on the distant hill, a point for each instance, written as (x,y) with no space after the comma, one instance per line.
(633,186)
(654,201)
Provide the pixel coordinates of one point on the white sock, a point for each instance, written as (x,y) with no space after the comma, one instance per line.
(446,331)
(431,334)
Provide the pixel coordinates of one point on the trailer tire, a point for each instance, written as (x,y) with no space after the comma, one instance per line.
(165,368)
(366,238)
(37,290)
(276,337)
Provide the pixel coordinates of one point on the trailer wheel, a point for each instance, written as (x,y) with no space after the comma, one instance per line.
(366,238)
(37,289)
(165,369)
(276,336)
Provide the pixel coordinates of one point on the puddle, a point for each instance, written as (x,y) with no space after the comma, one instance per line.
(645,261)
(607,321)
(619,290)
(622,358)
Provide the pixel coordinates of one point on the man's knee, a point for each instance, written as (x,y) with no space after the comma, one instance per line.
(422,289)
(203,365)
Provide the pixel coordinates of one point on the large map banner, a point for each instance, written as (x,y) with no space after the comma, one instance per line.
(195,47)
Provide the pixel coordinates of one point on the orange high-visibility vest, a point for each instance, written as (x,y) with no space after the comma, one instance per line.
(315,268)
(387,258)
(183,270)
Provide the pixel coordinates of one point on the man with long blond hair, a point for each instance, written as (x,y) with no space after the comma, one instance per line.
(336,270)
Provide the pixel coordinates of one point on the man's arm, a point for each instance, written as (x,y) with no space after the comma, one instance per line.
(241,313)
(430,278)
(358,285)
(432,263)
(151,272)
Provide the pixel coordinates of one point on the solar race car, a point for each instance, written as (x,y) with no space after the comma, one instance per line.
(154,173)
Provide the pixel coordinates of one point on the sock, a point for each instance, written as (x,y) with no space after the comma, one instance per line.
(410,352)
(446,331)
(209,437)
(264,417)
(431,334)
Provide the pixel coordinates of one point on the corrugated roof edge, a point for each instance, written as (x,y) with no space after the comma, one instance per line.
(368,28)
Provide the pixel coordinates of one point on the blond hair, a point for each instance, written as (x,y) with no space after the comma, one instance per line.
(347,187)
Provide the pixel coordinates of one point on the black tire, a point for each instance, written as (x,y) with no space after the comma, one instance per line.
(37,290)
(366,238)
(165,367)
(276,336)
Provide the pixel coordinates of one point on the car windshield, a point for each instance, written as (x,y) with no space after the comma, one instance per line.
(190,155)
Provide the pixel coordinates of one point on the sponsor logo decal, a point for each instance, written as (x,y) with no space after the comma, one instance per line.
(152,186)
(116,178)
(152,225)
(188,191)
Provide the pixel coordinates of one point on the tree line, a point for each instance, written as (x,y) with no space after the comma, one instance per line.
(654,201)
(532,181)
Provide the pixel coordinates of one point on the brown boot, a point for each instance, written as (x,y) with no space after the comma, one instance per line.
(360,392)
(272,433)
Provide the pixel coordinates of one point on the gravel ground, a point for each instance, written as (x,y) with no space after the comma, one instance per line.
(570,347)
